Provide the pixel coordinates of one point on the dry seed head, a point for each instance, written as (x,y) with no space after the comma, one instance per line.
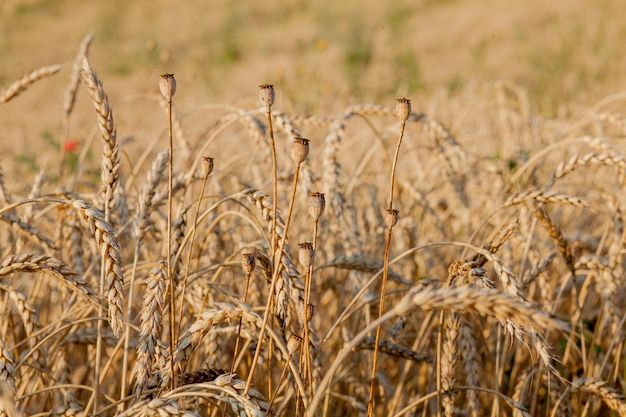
(317,204)
(310,311)
(248,262)
(403,109)
(305,254)
(391,218)
(167,84)
(208,165)
(299,150)
(266,95)
(293,344)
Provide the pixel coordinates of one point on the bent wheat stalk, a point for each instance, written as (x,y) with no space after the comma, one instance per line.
(500,306)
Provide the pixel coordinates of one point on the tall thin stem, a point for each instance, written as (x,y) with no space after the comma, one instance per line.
(131,291)
(168,242)
(238,341)
(275,274)
(208,168)
(307,303)
(167,85)
(266,96)
(393,168)
(381,311)
(403,111)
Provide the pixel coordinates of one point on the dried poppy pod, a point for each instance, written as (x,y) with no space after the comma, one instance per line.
(167,84)
(293,344)
(305,254)
(317,204)
(266,95)
(403,109)
(310,311)
(248,262)
(208,165)
(391,218)
(299,150)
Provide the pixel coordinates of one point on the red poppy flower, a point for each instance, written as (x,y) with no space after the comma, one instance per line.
(70,145)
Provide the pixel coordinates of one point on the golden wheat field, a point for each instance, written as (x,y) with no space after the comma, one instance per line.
(366,220)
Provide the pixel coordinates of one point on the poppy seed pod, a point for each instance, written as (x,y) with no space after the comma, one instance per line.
(293,344)
(317,204)
(248,262)
(305,254)
(266,95)
(310,311)
(167,84)
(299,150)
(391,218)
(208,165)
(403,109)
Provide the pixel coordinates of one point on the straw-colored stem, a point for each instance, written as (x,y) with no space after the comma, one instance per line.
(280,382)
(275,272)
(131,291)
(307,302)
(438,362)
(274,179)
(238,341)
(393,167)
(99,327)
(193,239)
(381,311)
(169,245)
(381,304)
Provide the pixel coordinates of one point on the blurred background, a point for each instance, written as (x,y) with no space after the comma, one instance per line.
(322,55)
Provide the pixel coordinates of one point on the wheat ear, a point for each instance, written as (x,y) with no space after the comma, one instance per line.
(109,247)
(69,98)
(141,222)
(7,367)
(43,263)
(12,218)
(151,323)
(109,177)
(611,397)
(393,349)
(449,359)
(110,144)
(23,83)
(460,299)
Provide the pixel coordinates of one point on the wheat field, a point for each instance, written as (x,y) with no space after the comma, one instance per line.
(252,261)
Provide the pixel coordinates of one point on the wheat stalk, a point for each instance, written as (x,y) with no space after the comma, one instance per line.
(611,397)
(154,177)
(461,299)
(110,145)
(468,348)
(27,80)
(29,262)
(449,359)
(545,197)
(393,349)
(360,263)
(30,320)
(110,250)
(7,367)
(12,218)
(72,87)
(592,158)
(224,312)
(151,324)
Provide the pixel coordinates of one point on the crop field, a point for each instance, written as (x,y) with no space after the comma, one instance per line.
(214,208)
